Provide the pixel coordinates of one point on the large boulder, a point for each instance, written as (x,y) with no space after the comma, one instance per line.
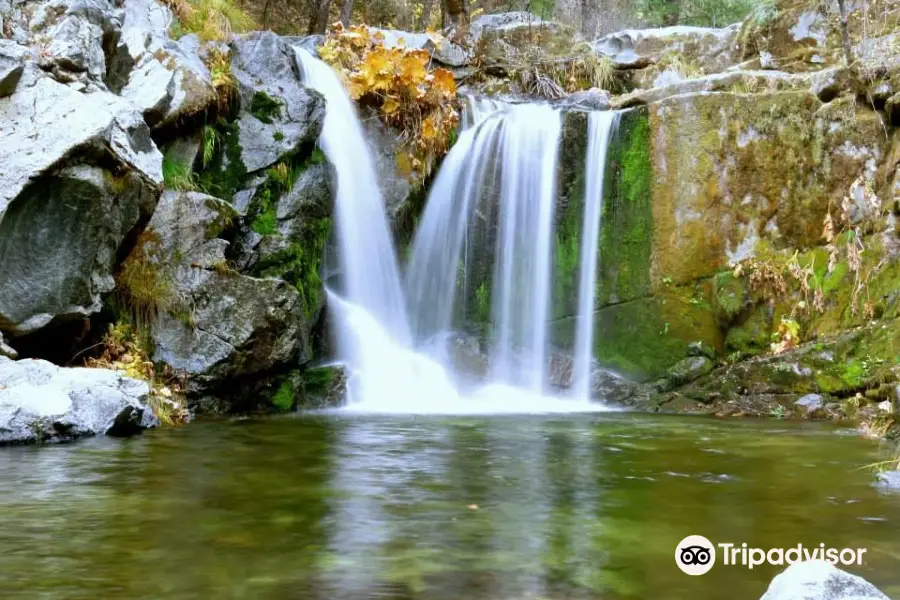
(80,171)
(820,580)
(166,79)
(707,48)
(439,48)
(278,113)
(76,37)
(40,402)
(214,324)
(506,38)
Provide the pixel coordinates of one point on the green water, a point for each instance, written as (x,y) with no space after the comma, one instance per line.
(337,507)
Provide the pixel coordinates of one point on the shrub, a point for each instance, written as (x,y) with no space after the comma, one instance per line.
(210,19)
(396,81)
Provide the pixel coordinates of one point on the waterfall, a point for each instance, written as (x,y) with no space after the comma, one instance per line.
(371,277)
(504,164)
(601,125)
(511,149)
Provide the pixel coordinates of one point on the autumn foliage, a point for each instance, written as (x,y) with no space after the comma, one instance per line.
(396,80)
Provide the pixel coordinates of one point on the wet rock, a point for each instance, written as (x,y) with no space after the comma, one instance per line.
(70,192)
(637,48)
(278,113)
(310,43)
(12,65)
(592,99)
(719,82)
(324,387)
(689,369)
(701,349)
(41,402)
(820,580)
(889,480)
(810,404)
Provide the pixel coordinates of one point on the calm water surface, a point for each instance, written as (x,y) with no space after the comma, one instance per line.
(336,507)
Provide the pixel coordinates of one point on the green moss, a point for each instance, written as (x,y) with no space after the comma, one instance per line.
(483,299)
(224,173)
(278,136)
(283,400)
(627,231)
(300,263)
(265,108)
(265,223)
(730,294)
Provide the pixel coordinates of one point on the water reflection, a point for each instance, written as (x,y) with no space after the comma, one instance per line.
(345,507)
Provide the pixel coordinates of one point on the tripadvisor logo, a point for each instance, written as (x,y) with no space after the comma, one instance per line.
(696,555)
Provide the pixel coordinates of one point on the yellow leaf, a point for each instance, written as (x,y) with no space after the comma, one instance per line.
(391,105)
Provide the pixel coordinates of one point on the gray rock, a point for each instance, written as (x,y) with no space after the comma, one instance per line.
(278,113)
(61,226)
(637,48)
(810,403)
(12,64)
(829,83)
(819,580)
(889,480)
(592,99)
(701,349)
(310,43)
(7,350)
(442,51)
(166,79)
(385,143)
(218,325)
(689,369)
(79,32)
(45,121)
(43,402)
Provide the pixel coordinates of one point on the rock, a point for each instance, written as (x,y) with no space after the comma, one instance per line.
(278,113)
(819,580)
(827,84)
(80,34)
(7,350)
(689,369)
(710,207)
(395,186)
(707,48)
(166,79)
(889,480)
(505,36)
(80,171)
(701,349)
(810,404)
(215,324)
(12,64)
(310,43)
(41,402)
(442,51)
(324,387)
(729,81)
(592,99)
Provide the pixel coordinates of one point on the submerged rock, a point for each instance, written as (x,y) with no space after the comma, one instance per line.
(889,480)
(40,402)
(819,580)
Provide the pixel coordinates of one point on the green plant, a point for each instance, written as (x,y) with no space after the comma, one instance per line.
(143,289)
(283,399)
(211,142)
(778,412)
(210,19)
(178,175)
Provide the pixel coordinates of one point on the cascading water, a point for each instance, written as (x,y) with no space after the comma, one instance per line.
(601,125)
(506,149)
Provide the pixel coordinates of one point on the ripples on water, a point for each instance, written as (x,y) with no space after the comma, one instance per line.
(336,507)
